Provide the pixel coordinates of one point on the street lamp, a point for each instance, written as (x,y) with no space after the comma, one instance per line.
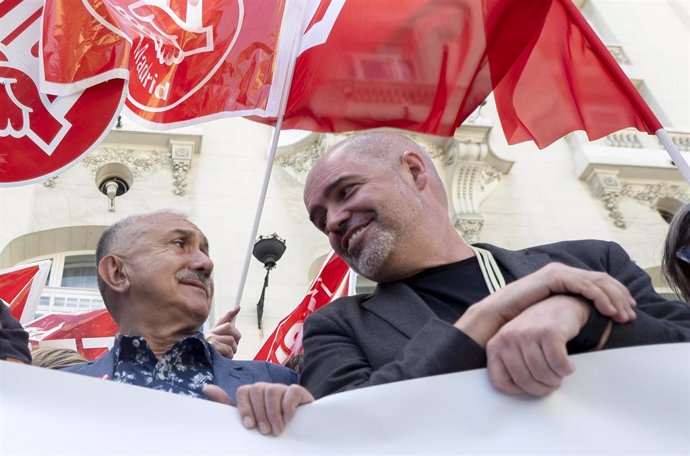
(268,250)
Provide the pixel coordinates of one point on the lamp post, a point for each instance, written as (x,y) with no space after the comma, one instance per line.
(268,250)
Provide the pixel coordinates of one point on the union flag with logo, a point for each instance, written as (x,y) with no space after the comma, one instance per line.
(42,134)
(329,284)
(186,61)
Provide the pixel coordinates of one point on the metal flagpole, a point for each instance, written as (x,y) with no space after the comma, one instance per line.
(269,162)
(675,154)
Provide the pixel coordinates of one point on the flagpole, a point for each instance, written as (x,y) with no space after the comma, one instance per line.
(675,154)
(296,43)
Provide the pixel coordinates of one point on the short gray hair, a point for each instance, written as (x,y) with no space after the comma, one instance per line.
(112,237)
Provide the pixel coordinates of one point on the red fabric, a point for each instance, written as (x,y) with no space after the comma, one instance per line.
(75,329)
(178,70)
(15,287)
(569,81)
(421,65)
(286,340)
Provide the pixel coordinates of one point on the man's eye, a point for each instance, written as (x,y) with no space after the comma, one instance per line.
(178,242)
(348,190)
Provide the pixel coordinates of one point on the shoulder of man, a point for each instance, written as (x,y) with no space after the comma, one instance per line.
(97,368)
(583,249)
(258,371)
(341,307)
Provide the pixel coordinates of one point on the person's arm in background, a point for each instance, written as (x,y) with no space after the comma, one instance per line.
(658,320)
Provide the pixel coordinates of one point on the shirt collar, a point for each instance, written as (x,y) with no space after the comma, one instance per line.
(128,346)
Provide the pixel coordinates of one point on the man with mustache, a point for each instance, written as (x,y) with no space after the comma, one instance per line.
(442,305)
(154,273)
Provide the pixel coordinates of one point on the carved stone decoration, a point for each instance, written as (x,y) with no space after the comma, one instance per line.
(181,159)
(650,194)
(139,160)
(144,160)
(606,186)
(298,162)
(681,140)
(50,183)
(624,139)
(469,228)
(180,172)
(611,203)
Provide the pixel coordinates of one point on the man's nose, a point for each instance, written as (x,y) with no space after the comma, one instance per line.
(336,221)
(202,262)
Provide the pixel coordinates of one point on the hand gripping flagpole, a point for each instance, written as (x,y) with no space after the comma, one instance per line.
(287,83)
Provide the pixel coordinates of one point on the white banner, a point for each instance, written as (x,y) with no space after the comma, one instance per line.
(634,400)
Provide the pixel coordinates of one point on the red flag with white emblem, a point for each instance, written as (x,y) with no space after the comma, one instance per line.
(186,61)
(42,135)
(91,333)
(286,341)
(21,287)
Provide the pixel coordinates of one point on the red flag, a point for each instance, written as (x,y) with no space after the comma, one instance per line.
(90,333)
(286,340)
(568,81)
(40,135)
(21,288)
(421,65)
(426,65)
(185,59)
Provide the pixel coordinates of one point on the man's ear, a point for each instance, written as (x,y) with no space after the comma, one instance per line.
(415,165)
(113,272)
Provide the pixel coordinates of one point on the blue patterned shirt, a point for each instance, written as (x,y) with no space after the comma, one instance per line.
(184,369)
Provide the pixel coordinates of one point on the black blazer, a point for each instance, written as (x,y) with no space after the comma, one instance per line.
(392,335)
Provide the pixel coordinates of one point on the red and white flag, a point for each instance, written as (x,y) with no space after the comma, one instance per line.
(186,61)
(21,287)
(286,341)
(91,333)
(42,135)
(426,65)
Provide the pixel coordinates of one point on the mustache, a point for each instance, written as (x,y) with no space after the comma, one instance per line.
(197,276)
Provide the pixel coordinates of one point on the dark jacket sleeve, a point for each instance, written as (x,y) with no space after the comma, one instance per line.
(335,360)
(658,319)
(14,340)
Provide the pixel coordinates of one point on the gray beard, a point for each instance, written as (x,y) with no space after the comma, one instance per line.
(374,254)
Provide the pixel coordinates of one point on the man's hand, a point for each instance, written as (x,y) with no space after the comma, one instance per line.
(528,354)
(483,320)
(268,406)
(224,337)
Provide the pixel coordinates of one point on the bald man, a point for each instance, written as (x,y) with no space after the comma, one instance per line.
(442,305)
